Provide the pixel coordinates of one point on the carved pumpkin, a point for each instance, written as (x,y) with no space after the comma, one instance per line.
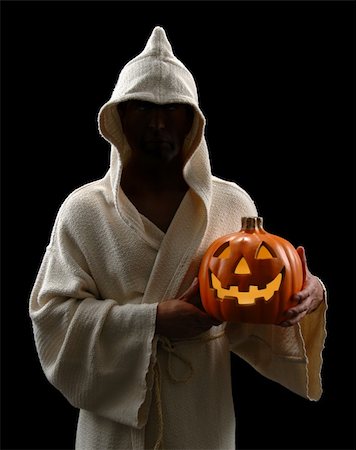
(250,276)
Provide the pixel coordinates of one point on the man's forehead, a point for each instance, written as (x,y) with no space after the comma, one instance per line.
(145,104)
(153,104)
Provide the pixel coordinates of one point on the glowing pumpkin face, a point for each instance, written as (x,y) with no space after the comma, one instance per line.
(250,276)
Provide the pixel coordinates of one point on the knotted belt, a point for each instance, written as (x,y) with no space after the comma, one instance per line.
(167,346)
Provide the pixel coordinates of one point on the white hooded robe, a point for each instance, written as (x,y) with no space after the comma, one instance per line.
(106,268)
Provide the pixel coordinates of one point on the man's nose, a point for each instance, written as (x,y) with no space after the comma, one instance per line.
(157,119)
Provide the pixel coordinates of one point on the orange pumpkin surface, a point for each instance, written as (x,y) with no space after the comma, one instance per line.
(250,276)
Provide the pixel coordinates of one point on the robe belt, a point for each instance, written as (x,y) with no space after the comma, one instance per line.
(167,346)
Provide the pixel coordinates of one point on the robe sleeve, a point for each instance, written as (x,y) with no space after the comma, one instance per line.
(99,354)
(290,356)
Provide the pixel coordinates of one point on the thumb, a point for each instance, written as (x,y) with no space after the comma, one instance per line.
(301,253)
(191,292)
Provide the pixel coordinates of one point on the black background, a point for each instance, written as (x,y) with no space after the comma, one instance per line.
(276,85)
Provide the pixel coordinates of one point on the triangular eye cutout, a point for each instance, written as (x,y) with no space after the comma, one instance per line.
(223,252)
(242,267)
(264,253)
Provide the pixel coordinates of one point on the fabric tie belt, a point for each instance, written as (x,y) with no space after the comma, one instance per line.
(167,346)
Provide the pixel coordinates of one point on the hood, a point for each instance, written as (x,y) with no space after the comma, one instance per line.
(157,75)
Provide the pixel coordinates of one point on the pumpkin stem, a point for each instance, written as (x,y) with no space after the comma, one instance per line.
(252,224)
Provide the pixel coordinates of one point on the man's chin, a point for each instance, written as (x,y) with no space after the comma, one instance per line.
(160,152)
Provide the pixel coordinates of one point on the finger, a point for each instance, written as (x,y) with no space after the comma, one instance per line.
(191,296)
(301,296)
(191,291)
(211,321)
(294,320)
(195,301)
(303,300)
(207,321)
(296,310)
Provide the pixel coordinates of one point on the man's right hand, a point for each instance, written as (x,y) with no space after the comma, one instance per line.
(183,317)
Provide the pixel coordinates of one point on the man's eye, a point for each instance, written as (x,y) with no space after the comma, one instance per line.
(171,107)
(147,106)
(143,107)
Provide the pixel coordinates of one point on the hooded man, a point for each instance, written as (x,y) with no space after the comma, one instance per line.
(117,321)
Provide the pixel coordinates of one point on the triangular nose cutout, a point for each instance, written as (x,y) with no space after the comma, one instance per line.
(242,267)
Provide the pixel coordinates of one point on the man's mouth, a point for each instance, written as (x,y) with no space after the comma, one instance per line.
(157,141)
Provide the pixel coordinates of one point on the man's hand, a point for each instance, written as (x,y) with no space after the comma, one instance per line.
(183,317)
(309,298)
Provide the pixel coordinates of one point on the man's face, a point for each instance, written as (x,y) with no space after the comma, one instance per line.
(155,132)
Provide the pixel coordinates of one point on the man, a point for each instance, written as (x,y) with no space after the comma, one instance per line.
(115,308)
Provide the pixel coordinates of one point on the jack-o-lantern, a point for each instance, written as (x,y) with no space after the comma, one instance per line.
(250,276)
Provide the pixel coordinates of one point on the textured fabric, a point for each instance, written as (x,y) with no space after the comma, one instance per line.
(106,268)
